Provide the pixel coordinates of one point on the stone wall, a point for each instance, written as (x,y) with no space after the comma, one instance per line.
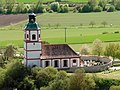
(107,62)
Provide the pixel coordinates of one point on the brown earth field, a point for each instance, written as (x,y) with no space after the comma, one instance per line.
(6,20)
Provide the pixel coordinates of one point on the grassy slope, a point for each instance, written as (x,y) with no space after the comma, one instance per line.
(75,34)
(78,18)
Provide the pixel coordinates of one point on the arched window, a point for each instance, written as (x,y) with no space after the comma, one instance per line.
(27,36)
(33,37)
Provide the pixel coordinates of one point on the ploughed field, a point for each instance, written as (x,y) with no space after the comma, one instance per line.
(11,19)
(78,30)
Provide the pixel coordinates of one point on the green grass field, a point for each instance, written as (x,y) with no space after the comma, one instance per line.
(34,1)
(76,34)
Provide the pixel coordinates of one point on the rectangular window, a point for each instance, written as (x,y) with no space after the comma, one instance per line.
(65,63)
(47,63)
(56,63)
(74,61)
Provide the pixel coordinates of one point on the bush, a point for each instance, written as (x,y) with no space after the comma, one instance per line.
(55,6)
(86,8)
(111,9)
(116,32)
(98,9)
(105,33)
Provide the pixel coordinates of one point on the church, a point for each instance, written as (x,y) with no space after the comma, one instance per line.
(37,54)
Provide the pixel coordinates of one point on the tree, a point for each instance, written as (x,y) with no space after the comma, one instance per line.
(102,3)
(61,82)
(112,50)
(55,6)
(9,5)
(86,8)
(63,9)
(13,72)
(111,9)
(118,5)
(93,3)
(10,51)
(92,23)
(45,76)
(79,81)
(104,23)
(26,84)
(97,47)
(38,8)
(84,50)
(21,8)
(98,9)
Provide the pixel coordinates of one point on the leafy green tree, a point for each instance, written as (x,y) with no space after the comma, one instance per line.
(38,8)
(111,9)
(9,5)
(26,84)
(55,6)
(98,9)
(61,82)
(13,73)
(1,7)
(117,6)
(79,81)
(112,50)
(63,9)
(44,76)
(86,8)
(102,3)
(21,8)
(93,3)
(97,47)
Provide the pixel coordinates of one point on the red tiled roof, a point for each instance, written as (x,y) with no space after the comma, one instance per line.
(57,51)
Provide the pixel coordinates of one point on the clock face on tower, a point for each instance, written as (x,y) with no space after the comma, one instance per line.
(32,43)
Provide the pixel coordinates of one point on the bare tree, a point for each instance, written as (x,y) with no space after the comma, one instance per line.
(92,23)
(84,50)
(104,23)
(9,52)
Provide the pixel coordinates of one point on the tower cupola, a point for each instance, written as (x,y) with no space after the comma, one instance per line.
(32,24)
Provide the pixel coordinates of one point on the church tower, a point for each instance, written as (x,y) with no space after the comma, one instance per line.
(32,43)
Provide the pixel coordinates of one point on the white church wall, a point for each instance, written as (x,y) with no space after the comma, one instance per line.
(33,46)
(30,63)
(34,54)
(25,54)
